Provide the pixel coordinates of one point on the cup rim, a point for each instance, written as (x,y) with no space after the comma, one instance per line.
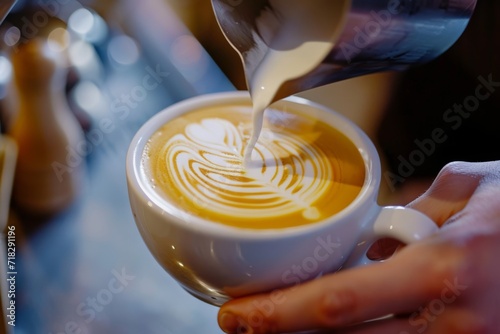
(195,223)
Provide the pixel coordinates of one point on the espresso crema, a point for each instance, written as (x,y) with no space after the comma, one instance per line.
(301,170)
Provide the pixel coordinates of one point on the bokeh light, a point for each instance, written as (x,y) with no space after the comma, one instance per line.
(88,25)
(59,39)
(123,50)
(5,70)
(187,54)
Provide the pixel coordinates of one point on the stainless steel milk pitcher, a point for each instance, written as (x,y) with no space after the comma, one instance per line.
(374,35)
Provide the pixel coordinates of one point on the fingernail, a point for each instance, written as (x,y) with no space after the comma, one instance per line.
(229,323)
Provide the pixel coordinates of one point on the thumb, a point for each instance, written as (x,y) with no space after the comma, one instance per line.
(450,192)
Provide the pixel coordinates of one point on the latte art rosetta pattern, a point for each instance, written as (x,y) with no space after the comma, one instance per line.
(285,175)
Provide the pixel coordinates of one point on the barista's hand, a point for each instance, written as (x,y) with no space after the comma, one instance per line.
(448,283)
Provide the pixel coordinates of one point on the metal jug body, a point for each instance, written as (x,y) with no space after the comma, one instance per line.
(371,36)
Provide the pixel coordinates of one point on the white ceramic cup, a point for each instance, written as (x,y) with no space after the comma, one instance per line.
(216,262)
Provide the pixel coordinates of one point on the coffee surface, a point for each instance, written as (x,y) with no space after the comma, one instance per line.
(300,172)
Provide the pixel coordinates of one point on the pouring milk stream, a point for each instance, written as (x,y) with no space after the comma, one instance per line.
(300,37)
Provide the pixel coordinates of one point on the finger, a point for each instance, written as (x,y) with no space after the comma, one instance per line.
(454,321)
(386,325)
(339,299)
(450,192)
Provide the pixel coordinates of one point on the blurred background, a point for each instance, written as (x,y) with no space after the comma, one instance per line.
(108,66)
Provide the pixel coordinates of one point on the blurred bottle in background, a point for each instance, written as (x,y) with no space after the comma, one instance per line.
(49,138)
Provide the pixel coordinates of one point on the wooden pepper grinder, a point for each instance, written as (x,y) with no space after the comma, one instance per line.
(49,168)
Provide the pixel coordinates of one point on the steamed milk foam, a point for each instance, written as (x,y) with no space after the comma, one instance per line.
(302,169)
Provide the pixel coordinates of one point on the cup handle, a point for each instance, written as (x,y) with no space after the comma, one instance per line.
(404,224)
